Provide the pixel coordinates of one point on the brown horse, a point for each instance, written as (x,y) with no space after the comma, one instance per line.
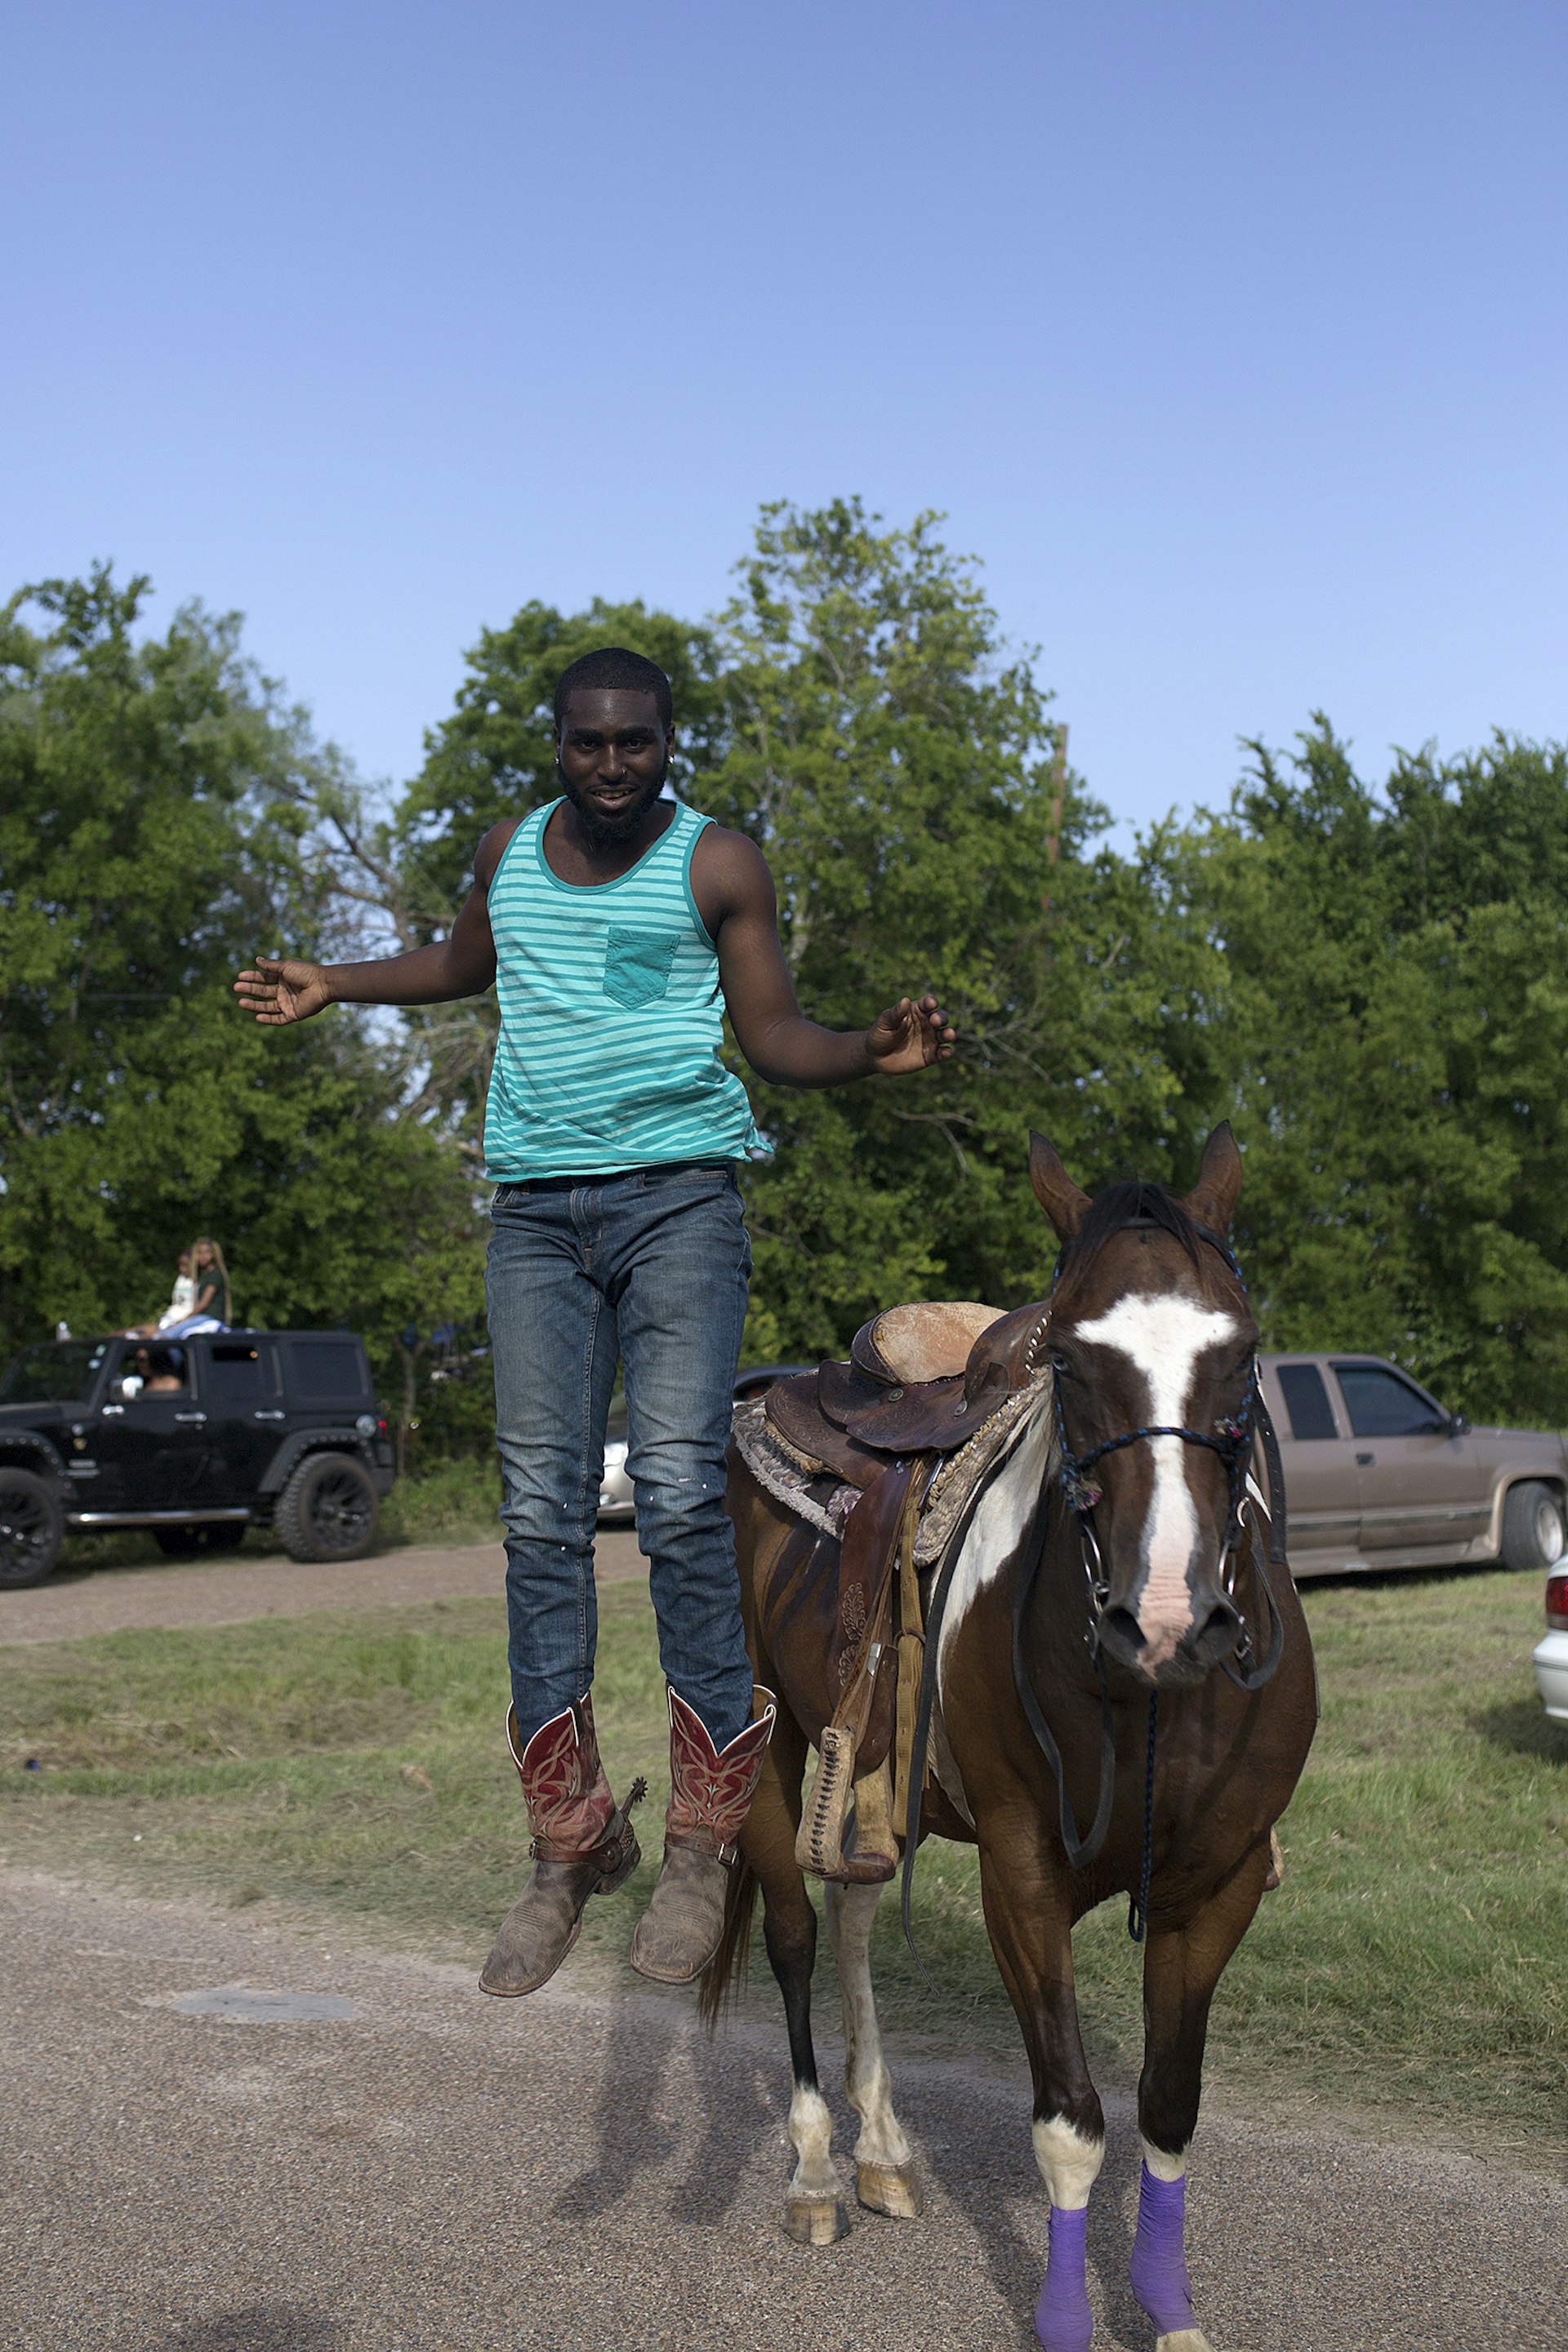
(1102,1606)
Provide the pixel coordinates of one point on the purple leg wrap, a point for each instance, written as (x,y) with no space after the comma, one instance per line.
(1159,2266)
(1063,2321)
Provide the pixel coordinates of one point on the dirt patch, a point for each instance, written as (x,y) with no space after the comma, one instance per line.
(230,1592)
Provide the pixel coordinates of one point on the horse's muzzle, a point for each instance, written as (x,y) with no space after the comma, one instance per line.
(1215,1634)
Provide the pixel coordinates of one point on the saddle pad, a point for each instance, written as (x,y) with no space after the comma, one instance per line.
(960,1473)
(812,1490)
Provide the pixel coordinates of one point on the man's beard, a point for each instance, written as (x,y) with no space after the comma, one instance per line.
(611,833)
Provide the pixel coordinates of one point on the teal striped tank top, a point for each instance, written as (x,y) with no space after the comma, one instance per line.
(611,1017)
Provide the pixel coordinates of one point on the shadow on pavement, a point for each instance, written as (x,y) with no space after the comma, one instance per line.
(641,2120)
(259,2327)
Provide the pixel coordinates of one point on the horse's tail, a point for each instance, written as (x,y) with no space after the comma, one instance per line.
(717,1985)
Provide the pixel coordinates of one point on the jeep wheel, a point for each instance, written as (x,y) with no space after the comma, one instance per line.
(32,1528)
(328,1509)
(1534,1534)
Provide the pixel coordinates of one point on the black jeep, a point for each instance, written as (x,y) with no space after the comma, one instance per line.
(195,1439)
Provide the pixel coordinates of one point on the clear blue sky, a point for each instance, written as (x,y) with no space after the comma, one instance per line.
(1230,337)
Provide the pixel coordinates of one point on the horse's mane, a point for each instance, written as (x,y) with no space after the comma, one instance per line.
(1133,1201)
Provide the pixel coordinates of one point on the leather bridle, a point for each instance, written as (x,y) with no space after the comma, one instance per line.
(1231,1439)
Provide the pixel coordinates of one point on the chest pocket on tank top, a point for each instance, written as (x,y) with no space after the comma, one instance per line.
(637,964)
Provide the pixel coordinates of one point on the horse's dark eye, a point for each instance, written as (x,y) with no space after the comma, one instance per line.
(1061,1364)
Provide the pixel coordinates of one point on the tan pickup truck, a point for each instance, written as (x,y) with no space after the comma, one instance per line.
(1378,1474)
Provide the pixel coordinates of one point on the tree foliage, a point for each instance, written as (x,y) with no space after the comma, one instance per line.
(154,831)
(901,772)
(1367,980)
(1393,1049)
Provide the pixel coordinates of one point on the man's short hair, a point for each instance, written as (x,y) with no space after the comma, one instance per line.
(613,669)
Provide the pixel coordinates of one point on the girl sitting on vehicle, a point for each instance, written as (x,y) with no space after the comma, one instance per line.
(210,1308)
(182,1304)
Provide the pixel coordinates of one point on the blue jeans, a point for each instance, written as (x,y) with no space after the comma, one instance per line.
(652,1267)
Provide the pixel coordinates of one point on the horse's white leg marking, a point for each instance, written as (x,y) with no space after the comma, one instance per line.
(1164,1337)
(998,1528)
(1164,2167)
(882,2151)
(810,2129)
(1069,2159)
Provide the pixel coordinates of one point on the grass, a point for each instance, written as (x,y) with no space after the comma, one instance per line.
(445,1502)
(1407,1976)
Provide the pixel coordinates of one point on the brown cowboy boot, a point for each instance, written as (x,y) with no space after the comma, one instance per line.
(710,1796)
(583,1845)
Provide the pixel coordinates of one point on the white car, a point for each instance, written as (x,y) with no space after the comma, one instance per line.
(616,1500)
(1551,1654)
(616,1503)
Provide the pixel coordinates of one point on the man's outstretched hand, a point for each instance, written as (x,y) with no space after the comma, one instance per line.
(908,1036)
(278,991)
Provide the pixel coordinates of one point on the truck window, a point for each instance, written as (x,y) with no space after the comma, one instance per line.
(329,1368)
(1380,1404)
(1306,1401)
(53,1372)
(237,1372)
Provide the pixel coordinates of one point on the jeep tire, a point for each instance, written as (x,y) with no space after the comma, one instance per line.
(328,1509)
(1534,1531)
(32,1528)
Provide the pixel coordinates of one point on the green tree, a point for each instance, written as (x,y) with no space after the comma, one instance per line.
(154,830)
(898,768)
(1393,1038)
(855,710)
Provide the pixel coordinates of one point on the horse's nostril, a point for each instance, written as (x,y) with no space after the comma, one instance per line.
(1219,1634)
(1121,1634)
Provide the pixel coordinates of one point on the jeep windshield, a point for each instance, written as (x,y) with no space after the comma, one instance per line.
(57,1372)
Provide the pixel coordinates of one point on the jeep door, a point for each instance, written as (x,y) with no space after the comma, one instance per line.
(1322,1495)
(238,1375)
(1425,1493)
(151,1447)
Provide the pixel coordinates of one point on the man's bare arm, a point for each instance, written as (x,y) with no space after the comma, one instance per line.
(282,990)
(734,893)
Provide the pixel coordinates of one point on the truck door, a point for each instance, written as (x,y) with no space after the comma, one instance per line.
(238,1381)
(1322,1495)
(150,1440)
(1423,1492)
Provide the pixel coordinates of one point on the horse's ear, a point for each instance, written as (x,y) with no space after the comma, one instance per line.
(1056,1193)
(1212,1201)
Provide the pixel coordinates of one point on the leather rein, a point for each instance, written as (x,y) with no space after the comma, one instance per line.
(1231,1439)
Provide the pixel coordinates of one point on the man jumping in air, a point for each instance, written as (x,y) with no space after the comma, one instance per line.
(612,922)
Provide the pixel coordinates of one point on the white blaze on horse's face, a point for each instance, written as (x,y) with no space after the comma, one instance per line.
(1163,1338)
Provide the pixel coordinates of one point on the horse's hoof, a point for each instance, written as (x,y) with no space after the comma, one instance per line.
(1183,2340)
(816,2220)
(890,2188)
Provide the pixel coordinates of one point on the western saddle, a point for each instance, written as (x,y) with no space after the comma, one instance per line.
(904,1432)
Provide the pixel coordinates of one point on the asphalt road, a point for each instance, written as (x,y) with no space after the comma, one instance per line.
(228,1591)
(435,2172)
